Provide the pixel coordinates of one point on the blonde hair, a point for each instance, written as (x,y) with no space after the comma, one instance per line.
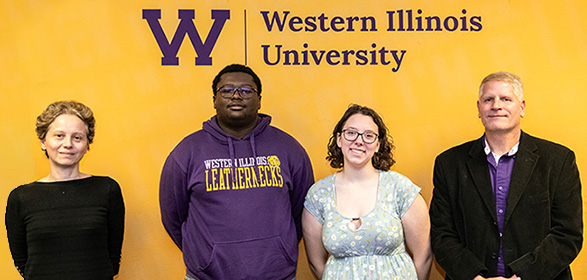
(505,77)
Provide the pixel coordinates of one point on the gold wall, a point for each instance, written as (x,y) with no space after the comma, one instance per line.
(104,54)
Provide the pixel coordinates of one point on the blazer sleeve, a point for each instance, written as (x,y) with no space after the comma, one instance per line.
(451,253)
(564,240)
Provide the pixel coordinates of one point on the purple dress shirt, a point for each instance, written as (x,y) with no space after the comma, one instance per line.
(500,170)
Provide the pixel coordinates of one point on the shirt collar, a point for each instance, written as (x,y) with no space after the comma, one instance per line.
(512,152)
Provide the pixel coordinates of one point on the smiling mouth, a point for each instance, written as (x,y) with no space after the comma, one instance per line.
(236,106)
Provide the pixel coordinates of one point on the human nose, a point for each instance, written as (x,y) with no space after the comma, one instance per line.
(496,104)
(360,136)
(68,142)
(235,93)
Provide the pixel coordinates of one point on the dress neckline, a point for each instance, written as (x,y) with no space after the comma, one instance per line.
(366,214)
(65,181)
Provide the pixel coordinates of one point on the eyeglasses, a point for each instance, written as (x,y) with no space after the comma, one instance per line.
(367,136)
(228,92)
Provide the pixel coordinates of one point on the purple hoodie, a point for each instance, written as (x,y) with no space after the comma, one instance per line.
(234,206)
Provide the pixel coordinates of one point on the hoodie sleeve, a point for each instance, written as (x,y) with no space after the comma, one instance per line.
(173,199)
(302,179)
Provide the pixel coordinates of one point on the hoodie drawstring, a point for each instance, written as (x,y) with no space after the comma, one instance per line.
(232,159)
(255,157)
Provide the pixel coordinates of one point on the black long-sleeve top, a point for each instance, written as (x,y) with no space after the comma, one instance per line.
(66,230)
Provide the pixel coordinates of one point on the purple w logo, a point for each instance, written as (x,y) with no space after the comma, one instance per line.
(186,26)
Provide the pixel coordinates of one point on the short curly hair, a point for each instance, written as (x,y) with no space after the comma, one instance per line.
(54,110)
(382,160)
(236,68)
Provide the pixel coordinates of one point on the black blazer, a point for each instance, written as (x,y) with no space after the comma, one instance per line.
(543,225)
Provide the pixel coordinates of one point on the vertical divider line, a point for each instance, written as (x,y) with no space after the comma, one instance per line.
(245,36)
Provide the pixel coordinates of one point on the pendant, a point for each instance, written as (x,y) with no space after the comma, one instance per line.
(355,223)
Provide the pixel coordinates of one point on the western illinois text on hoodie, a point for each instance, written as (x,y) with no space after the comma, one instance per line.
(234,206)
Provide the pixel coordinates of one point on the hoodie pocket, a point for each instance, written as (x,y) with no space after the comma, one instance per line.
(264,258)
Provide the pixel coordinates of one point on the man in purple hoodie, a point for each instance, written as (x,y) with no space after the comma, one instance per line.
(232,193)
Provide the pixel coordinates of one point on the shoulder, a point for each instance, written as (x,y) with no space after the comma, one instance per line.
(543,145)
(284,144)
(393,179)
(281,135)
(17,193)
(458,151)
(194,137)
(397,191)
(192,143)
(393,176)
(322,186)
(547,153)
(320,197)
(23,189)
(28,193)
(103,179)
(266,130)
(105,182)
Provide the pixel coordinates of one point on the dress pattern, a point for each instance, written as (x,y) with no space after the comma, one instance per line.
(376,249)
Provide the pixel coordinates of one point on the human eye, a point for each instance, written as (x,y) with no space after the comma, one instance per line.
(246,91)
(370,136)
(226,90)
(350,132)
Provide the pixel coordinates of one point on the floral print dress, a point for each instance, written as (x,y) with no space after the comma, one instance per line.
(374,250)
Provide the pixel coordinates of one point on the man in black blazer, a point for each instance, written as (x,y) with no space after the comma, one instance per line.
(507,205)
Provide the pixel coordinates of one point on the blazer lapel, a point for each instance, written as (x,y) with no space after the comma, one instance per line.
(479,171)
(524,164)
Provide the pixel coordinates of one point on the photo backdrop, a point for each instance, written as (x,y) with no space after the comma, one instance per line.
(417,63)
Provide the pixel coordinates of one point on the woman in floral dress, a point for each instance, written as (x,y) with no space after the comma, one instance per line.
(358,221)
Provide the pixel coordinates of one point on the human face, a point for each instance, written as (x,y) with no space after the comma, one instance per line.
(357,153)
(66,141)
(499,108)
(237,112)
